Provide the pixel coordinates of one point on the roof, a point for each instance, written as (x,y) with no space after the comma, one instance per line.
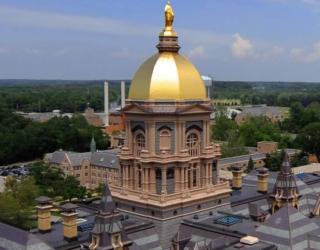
(107,205)
(43,199)
(287,228)
(69,207)
(108,158)
(105,159)
(12,238)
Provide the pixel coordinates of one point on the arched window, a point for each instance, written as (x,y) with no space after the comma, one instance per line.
(193,144)
(140,143)
(165,139)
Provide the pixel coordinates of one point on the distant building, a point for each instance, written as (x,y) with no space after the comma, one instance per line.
(273,113)
(91,168)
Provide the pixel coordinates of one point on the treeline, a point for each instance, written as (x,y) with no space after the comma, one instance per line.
(22,139)
(273,94)
(74,96)
(45,96)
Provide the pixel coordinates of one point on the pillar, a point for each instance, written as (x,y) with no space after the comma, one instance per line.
(263,174)
(106,103)
(69,217)
(177,179)
(123,94)
(163,180)
(44,205)
(237,177)
(152,183)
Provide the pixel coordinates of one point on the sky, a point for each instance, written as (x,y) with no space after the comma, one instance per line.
(247,40)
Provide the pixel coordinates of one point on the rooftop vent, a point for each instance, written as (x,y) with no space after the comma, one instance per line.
(249,240)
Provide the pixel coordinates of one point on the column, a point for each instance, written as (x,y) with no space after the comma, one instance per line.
(177,180)
(185,170)
(183,134)
(143,179)
(198,176)
(164,180)
(152,180)
(182,179)
(210,173)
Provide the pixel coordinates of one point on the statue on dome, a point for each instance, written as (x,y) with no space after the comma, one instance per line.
(169,15)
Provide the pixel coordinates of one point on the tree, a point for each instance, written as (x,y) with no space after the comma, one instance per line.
(250,165)
(17,202)
(72,189)
(273,161)
(257,129)
(309,139)
(223,126)
(300,159)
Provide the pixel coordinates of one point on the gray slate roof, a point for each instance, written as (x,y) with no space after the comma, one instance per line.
(107,159)
(12,238)
(287,228)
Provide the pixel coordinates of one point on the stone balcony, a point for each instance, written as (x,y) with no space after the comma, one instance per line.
(163,200)
(211,151)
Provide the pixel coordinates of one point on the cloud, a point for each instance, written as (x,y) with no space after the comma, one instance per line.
(301,55)
(241,47)
(31,51)
(197,52)
(103,25)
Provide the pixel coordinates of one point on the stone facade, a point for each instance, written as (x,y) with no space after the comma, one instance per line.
(92,169)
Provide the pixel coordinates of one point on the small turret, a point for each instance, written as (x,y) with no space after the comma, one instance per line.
(285,189)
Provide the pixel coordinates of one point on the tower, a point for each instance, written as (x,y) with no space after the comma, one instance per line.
(285,189)
(167,160)
(93,145)
(108,232)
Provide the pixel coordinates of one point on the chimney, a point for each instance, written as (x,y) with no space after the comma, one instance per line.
(123,94)
(44,205)
(237,177)
(262,174)
(106,103)
(69,217)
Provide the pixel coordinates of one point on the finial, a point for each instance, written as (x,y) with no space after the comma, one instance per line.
(169,16)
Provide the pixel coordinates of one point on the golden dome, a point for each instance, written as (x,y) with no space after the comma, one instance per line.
(167,75)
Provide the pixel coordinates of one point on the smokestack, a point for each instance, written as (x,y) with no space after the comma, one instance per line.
(106,103)
(123,94)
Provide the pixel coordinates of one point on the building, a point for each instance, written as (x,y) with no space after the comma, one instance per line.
(167,161)
(91,168)
(273,113)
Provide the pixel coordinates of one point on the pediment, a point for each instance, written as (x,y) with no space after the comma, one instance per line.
(197,108)
(134,108)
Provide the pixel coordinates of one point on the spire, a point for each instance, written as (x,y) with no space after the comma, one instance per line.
(285,189)
(93,146)
(286,167)
(107,206)
(168,37)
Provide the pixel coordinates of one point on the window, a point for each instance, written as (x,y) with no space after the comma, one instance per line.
(193,144)
(165,139)
(140,142)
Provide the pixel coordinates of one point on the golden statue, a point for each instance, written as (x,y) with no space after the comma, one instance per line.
(169,15)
